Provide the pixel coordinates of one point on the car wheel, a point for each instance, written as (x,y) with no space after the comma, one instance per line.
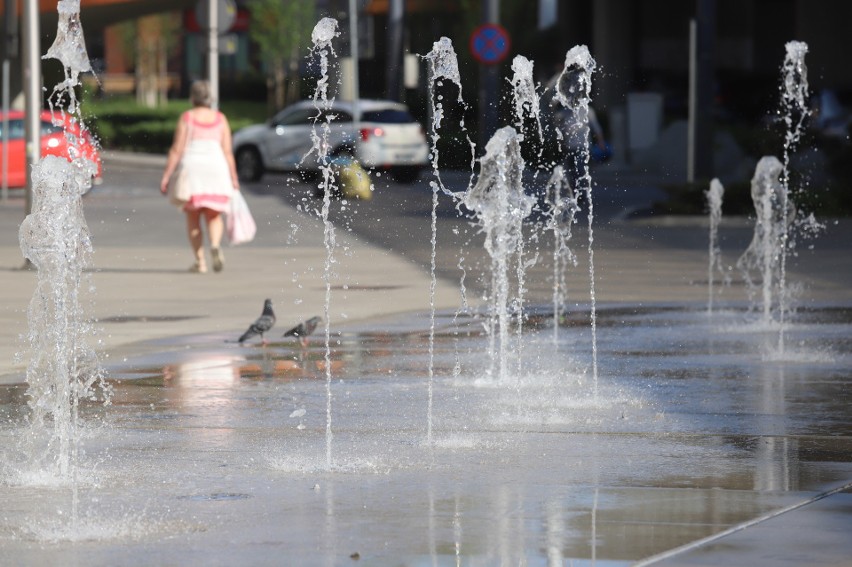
(249,164)
(406,174)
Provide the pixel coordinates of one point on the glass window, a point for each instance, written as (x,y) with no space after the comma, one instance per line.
(339,116)
(309,116)
(16,129)
(388,116)
(299,116)
(48,128)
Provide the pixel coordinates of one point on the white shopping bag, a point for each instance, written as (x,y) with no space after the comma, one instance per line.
(239,222)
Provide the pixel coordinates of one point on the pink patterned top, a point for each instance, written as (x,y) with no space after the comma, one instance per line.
(203,130)
(204,166)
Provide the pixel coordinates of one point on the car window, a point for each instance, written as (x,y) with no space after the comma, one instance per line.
(309,115)
(16,129)
(388,116)
(300,116)
(49,128)
(339,116)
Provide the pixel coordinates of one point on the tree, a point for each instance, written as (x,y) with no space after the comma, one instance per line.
(148,40)
(281,29)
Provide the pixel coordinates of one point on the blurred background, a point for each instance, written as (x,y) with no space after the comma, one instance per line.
(145,53)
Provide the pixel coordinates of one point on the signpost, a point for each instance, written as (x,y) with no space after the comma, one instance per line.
(219,16)
(489,44)
(10,52)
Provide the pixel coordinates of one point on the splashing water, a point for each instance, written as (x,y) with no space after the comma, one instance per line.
(794,95)
(764,254)
(714,204)
(443,66)
(526,96)
(324,32)
(63,369)
(69,48)
(573,90)
(500,205)
(563,208)
(795,92)
(527,103)
(322,35)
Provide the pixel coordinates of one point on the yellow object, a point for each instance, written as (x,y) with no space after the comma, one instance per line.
(354,181)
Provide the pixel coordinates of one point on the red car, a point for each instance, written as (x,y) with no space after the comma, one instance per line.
(53,142)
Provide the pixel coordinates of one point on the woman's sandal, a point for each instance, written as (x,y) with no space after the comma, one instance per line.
(197,268)
(218,259)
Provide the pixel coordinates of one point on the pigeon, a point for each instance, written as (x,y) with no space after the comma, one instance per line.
(303,329)
(262,325)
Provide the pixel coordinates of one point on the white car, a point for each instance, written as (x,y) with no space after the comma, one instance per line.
(388,138)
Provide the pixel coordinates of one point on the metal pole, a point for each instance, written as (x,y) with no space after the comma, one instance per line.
(32,93)
(489,83)
(4,191)
(10,51)
(213,50)
(353,52)
(396,13)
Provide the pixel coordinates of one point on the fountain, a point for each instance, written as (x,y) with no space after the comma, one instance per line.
(562,202)
(794,99)
(206,452)
(323,33)
(765,254)
(573,91)
(500,205)
(714,203)
(776,214)
(63,369)
(443,66)
(526,96)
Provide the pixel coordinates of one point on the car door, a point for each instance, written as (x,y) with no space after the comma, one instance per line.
(289,136)
(17,158)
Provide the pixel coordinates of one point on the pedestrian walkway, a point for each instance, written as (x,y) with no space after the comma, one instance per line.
(144,298)
(142,289)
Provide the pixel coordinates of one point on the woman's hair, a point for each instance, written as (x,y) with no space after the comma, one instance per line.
(199,94)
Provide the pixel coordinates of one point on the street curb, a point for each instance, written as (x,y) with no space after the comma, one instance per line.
(134,158)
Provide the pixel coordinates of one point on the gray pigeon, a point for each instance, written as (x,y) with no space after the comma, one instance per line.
(303,329)
(262,325)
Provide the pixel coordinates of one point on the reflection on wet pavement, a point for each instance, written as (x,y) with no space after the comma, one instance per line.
(218,450)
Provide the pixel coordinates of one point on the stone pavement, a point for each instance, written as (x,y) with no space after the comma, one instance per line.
(142,291)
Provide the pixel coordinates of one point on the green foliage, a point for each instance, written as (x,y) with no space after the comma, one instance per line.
(167,26)
(281,29)
(282,32)
(119,123)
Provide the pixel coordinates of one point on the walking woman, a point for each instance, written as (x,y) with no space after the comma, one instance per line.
(205,176)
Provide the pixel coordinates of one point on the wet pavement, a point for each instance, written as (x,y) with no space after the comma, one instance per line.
(699,427)
(703,446)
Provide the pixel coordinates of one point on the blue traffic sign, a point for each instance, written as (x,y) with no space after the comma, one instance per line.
(489,44)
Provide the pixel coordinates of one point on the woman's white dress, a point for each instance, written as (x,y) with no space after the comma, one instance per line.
(203,166)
